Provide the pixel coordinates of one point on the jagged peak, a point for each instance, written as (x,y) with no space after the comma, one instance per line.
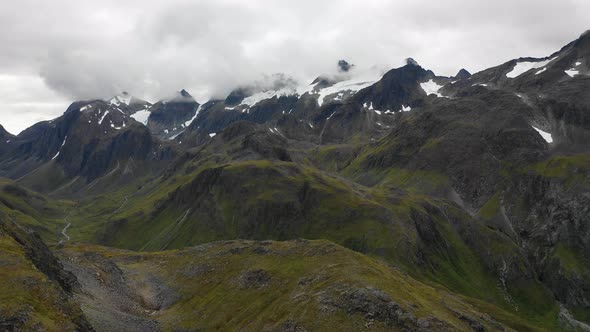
(412,62)
(344,66)
(185,94)
(4,132)
(463,73)
(181,96)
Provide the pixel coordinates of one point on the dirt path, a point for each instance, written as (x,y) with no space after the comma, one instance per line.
(65,229)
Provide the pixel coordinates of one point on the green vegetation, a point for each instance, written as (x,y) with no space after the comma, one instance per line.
(29,300)
(302,283)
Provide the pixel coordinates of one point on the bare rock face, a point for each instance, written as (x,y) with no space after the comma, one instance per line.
(254,279)
(169,117)
(372,304)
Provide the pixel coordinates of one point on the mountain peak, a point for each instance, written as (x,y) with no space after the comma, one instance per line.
(462,74)
(344,66)
(4,133)
(123,98)
(411,61)
(181,96)
(185,94)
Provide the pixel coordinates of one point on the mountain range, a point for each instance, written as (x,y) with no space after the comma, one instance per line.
(368,199)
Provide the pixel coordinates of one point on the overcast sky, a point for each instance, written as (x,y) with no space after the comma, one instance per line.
(54,52)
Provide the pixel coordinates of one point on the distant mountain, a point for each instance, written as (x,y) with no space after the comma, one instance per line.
(88,141)
(170,116)
(477,185)
(129,104)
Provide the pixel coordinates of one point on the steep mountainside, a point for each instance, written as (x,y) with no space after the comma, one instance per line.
(91,140)
(460,196)
(35,292)
(298,285)
(169,117)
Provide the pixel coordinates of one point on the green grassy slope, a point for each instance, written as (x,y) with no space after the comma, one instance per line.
(315,285)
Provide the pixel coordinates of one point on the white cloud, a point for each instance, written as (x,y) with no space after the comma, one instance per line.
(93,49)
(25,100)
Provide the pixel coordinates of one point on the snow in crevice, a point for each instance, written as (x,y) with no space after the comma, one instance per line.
(546,136)
(540,71)
(176,135)
(522,67)
(274,131)
(331,115)
(102,118)
(212,134)
(431,87)
(85,107)
(62,145)
(187,123)
(405,108)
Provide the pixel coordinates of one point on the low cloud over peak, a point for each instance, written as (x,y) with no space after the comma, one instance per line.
(95,49)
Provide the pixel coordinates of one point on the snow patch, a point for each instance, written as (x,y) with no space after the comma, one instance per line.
(572,72)
(212,134)
(351,85)
(260,96)
(431,87)
(524,66)
(546,136)
(405,108)
(176,135)
(186,124)
(141,116)
(103,116)
(62,145)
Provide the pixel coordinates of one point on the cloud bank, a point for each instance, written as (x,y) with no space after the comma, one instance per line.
(62,50)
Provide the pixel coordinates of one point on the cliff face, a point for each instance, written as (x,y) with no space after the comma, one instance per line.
(36,292)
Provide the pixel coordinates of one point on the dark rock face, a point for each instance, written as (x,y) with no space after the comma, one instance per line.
(39,254)
(5,135)
(90,140)
(462,74)
(554,226)
(344,66)
(169,117)
(371,303)
(397,87)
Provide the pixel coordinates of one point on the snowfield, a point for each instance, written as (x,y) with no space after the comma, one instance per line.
(524,66)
